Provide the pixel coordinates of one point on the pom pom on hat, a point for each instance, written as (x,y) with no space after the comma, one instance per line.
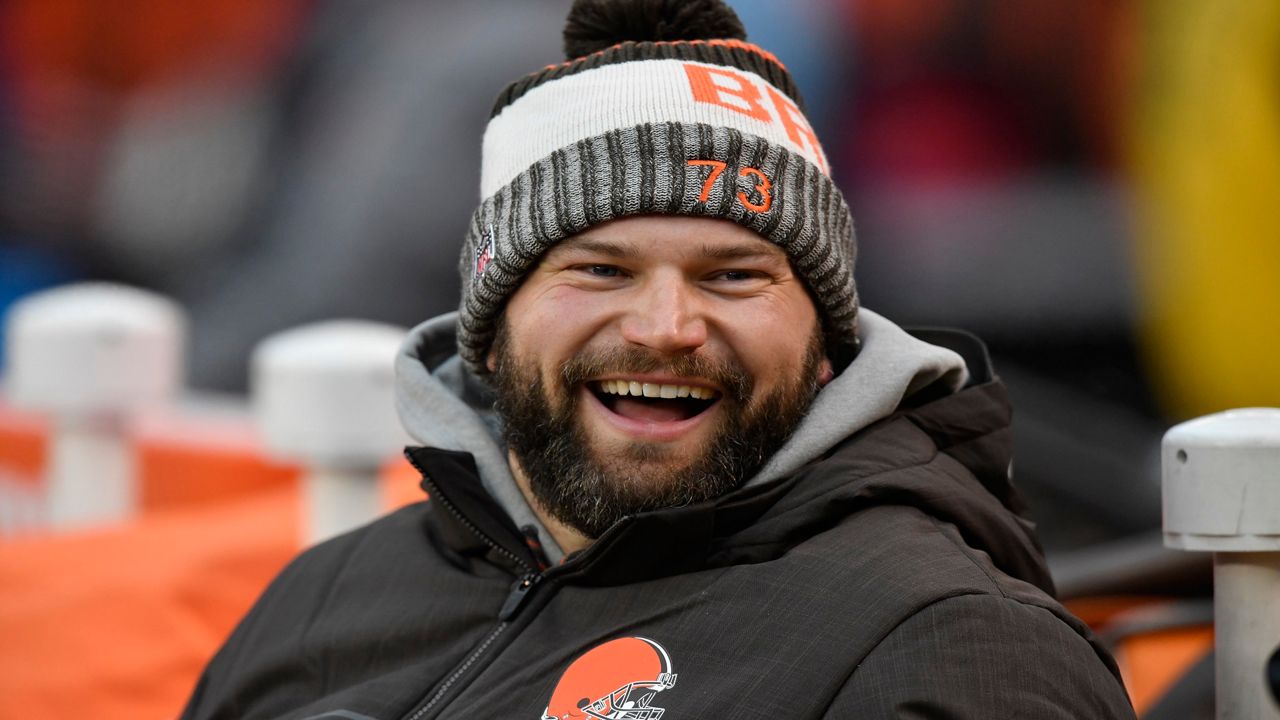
(594,25)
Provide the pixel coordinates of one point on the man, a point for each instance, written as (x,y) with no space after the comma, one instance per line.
(673,471)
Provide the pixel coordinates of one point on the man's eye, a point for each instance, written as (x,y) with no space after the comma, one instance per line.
(604,271)
(736,275)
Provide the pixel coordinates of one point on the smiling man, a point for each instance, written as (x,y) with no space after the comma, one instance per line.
(651,362)
(673,470)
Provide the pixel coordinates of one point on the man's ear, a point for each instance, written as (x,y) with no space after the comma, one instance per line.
(491,361)
(826,373)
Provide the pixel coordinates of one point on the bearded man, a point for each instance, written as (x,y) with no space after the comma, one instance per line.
(673,470)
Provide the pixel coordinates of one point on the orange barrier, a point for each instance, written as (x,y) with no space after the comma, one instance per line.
(22,447)
(1152,661)
(198,465)
(181,460)
(120,620)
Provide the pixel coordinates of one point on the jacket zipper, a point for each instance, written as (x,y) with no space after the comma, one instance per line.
(520,592)
(462,669)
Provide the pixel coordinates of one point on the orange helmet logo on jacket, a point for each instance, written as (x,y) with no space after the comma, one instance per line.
(616,680)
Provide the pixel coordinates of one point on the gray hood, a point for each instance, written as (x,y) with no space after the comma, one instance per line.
(443,405)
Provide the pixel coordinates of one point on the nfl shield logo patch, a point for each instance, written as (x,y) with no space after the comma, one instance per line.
(484,250)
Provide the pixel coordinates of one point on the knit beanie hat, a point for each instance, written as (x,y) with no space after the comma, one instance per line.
(661,109)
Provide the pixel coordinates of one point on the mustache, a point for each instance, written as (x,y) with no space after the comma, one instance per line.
(732,378)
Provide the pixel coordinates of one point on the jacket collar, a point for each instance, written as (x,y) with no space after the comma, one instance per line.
(759,522)
(442,405)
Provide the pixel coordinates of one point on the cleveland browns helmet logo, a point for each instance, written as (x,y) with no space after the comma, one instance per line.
(616,680)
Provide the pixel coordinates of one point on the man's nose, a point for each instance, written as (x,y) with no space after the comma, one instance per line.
(667,316)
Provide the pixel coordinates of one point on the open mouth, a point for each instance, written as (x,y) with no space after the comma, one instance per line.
(653,402)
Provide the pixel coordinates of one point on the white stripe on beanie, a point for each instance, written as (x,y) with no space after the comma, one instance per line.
(592,102)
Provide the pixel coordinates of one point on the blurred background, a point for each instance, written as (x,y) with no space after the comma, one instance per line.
(1086,184)
(1089,185)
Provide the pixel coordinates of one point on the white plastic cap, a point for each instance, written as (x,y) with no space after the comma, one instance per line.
(1222,482)
(94,349)
(323,394)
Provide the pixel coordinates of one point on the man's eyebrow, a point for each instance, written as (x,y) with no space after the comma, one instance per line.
(717,252)
(598,247)
(742,252)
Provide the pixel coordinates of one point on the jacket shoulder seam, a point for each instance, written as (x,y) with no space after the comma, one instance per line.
(902,621)
(968,553)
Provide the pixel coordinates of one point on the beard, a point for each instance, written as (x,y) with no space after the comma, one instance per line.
(588,487)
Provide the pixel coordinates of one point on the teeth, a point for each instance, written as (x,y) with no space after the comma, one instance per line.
(655,390)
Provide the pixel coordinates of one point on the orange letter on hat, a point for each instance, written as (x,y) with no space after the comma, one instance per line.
(727,89)
(797,127)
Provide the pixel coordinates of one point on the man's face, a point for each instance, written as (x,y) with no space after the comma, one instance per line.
(653,362)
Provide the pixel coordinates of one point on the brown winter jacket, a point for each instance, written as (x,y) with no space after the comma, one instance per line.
(894,577)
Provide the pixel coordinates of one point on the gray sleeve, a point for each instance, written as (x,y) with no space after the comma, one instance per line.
(982,657)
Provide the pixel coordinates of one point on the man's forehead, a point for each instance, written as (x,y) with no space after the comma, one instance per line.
(690,236)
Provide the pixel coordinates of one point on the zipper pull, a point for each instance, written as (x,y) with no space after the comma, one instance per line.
(519,592)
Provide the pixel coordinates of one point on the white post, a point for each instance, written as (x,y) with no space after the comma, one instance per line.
(1222,495)
(91,472)
(323,396)
(92,357)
